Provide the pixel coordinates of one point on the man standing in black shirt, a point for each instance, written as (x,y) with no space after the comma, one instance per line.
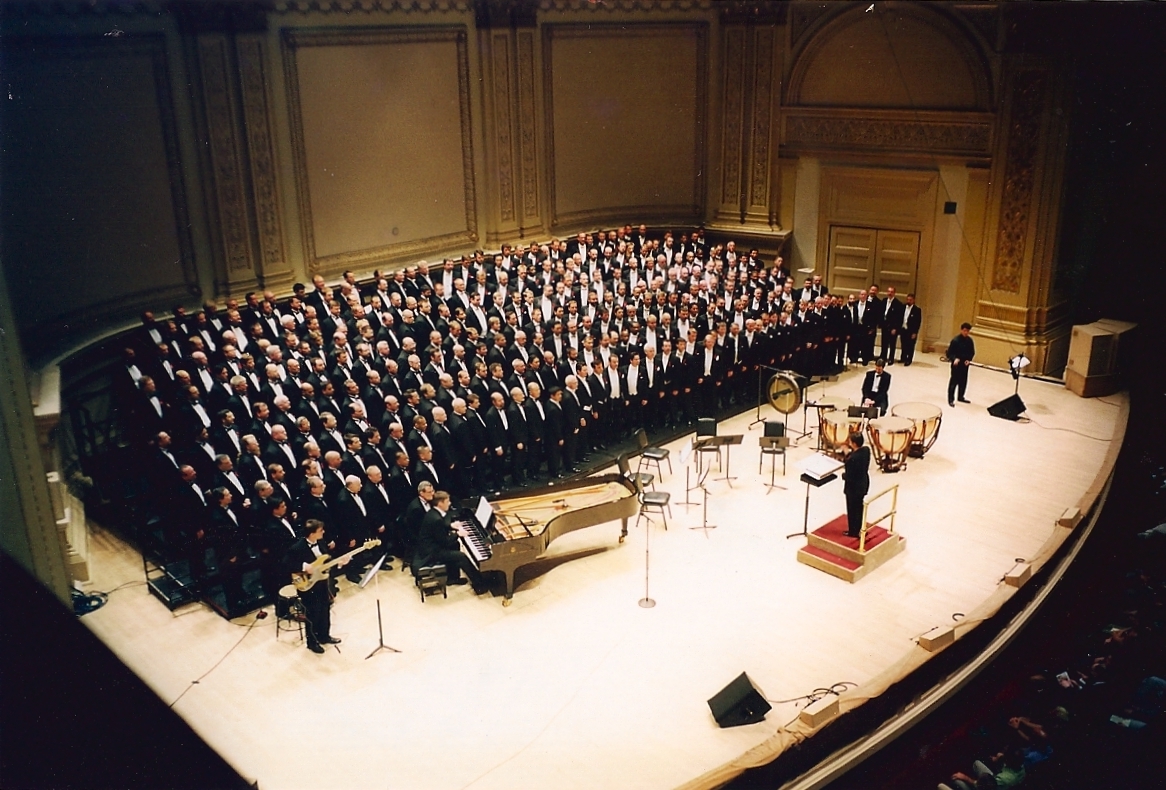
(960,352)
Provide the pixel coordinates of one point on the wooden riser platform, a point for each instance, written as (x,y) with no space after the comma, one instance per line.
(830,550)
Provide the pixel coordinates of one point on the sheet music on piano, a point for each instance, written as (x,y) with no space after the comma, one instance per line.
(482,511)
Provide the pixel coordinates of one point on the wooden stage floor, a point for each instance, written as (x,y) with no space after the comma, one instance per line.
(575,685)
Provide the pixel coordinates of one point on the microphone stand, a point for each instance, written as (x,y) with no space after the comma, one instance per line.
(647,602)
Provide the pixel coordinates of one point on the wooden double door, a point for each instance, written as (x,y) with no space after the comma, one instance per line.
(860,257)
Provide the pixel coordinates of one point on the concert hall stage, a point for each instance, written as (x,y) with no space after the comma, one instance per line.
(577,686)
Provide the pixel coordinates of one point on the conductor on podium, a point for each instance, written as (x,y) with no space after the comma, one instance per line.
(857,477)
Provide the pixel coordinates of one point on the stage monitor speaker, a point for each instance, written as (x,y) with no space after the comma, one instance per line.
(1009,409)
(739,703)
(706,426)
(774,429)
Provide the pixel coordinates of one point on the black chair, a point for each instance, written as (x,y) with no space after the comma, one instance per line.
(706,427)
(652,455)
(659,501)
(642,479)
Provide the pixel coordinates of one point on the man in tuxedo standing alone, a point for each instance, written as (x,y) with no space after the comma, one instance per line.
(857,483)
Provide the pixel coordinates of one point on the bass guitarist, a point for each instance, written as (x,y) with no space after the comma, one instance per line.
(317,599)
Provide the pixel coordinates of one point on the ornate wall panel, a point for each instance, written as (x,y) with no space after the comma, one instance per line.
(252,58)
(1016,202)
(625,121)
(382,143)
(761,133)
(527,126)
(93,188)
(227,162)
(503,142)
(732,120)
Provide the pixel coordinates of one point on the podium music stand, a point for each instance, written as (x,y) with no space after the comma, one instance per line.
(822,470)
(728,442)
(372,574)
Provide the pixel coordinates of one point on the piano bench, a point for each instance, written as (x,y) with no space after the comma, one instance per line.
(431,579)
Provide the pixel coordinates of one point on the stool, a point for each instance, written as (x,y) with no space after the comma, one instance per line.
(293,608)
(431,579)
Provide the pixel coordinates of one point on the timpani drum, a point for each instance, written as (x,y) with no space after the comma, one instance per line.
(829,404)
(890,441)
(926,418)
(837,427)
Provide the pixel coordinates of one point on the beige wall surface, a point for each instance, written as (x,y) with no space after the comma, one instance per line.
(889,60)
(382,143)
(627,118)
(89,216)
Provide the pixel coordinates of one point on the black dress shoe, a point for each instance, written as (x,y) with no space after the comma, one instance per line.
(330,641)
(964,400)
(458,581)
(316,648)
(951,403)
(481,589)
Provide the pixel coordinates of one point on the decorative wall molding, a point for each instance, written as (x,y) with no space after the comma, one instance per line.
(252,58)
(899,131)
(527,128)
(500,79)
(226,159)
(1024,126)
(733,122)
(370,6)
(293,39)
(761,133)
(612,6)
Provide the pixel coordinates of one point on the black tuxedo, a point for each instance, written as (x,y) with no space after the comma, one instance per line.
(857,483)
(911,323)
(437,543)
(879,396)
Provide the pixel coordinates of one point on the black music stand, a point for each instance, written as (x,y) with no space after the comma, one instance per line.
(728,442)
(693,448)
(372,574)
(704,519)
(773,446)
(814,482)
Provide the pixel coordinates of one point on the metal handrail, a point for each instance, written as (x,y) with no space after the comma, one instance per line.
(866,503)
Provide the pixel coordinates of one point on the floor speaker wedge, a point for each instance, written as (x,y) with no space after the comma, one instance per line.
(739,703)
(1008,409)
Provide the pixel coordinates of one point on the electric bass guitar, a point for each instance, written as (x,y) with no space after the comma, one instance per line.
(318,570)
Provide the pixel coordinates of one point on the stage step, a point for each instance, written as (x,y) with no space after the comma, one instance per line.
(830,550)
(830,563)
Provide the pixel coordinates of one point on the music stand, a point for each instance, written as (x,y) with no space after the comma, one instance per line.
(770,446)
(371,573)
(728,442)
(704,519)
(819,470)
(686,452)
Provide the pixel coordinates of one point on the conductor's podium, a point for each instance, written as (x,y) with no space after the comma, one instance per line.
(831,550)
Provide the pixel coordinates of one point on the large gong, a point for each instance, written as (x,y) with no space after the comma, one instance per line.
(784,393)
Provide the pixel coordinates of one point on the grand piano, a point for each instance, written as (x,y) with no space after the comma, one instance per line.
(512,531)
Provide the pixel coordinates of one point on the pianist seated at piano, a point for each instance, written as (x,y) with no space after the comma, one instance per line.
(438,545)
